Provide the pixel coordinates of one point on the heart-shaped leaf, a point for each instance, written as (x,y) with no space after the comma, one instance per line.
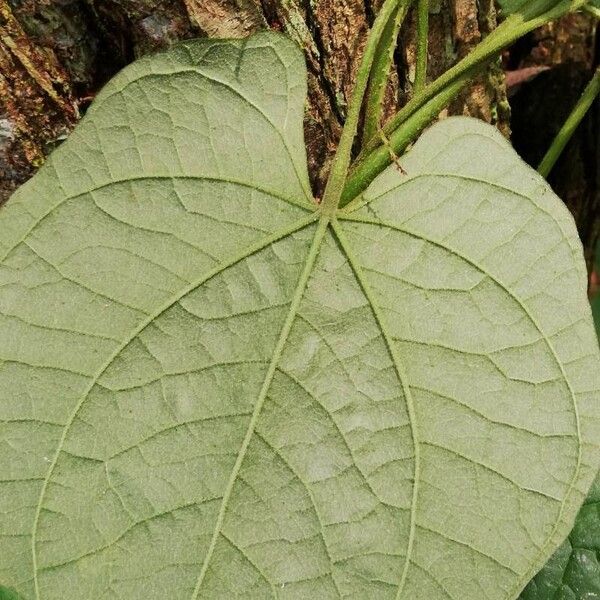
(211,388)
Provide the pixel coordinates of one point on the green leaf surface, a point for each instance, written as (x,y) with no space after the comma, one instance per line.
(573,572)
(508,7)
(7,594)
(210,389)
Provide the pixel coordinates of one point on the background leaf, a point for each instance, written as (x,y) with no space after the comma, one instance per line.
(7,594)
(573,573)
(509,7)
(210,390)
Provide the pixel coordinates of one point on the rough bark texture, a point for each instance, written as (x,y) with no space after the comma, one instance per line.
(56,54)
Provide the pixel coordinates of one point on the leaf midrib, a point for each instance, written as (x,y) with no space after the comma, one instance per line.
(277,353)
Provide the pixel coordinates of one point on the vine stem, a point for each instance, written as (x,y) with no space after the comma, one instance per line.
(422,44)
(533,15)
(381,157)
(568,129)
(592,10)
(379,76)
(341,162)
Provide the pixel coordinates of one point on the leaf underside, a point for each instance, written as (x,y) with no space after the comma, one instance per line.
(210,390)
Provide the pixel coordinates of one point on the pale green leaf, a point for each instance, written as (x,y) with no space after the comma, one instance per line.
(210,390)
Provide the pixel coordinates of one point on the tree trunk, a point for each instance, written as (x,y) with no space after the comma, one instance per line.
(56,54)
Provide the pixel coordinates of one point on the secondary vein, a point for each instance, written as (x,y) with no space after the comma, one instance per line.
(139,178)
(418,235)
(253,249)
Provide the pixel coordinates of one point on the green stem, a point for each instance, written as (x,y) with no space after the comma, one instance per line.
(568,129)
(341,162)
(535,14)
(379,76)
(365,172)
(592,10)
(377,154)
(422,45)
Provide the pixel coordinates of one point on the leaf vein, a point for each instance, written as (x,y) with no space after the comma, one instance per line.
(253,249)
(357,269)
(277,452)
(488,418)
(466,545)
(477,463)
(287,326)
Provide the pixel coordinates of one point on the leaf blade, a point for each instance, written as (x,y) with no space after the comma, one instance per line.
(118,189)
(209,407)
(444,191)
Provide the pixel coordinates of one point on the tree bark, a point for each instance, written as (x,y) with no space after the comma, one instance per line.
(56,54)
